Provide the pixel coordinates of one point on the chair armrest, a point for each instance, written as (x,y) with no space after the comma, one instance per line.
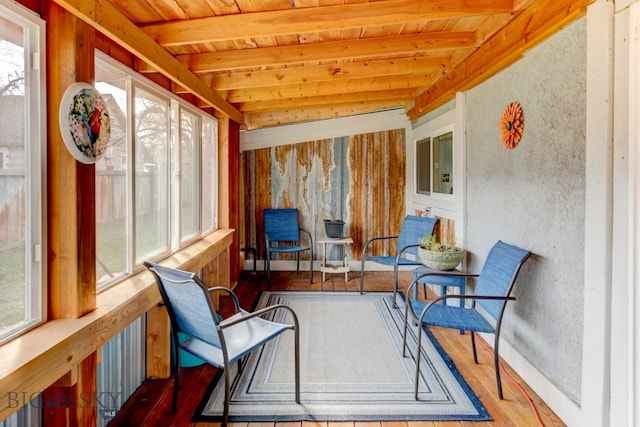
(413,284)
(308,235)
(259,313)
(366,245)
(403,250)
(236,303)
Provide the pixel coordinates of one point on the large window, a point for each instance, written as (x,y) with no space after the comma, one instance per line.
(156,186)
(22,194)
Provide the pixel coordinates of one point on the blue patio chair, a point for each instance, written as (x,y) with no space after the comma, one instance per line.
(412,230)
(282,235)
(493,289)
(219,342)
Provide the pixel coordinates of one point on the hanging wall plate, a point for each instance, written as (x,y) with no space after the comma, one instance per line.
(84,122)
(512,125)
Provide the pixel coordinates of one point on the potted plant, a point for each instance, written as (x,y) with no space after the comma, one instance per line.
(439,256)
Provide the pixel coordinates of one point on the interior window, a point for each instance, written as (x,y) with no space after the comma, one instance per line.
(423,166)
(152,190)
(111,181)
(443,163)
(22,100)
(434,164)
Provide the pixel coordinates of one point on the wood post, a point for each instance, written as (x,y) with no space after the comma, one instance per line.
(71,213)
(229,186)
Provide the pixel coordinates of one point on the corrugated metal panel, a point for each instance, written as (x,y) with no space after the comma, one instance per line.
(121,370)
(28,416)
(360,179)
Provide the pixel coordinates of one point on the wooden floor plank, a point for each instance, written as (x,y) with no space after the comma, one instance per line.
(151,403)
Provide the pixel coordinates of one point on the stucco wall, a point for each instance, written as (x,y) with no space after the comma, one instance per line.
(533,196)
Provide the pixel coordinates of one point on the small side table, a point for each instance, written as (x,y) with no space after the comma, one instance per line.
(343,266)
(442,281)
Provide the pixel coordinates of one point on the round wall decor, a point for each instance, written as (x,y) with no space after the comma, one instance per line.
(512,125)
(84,122)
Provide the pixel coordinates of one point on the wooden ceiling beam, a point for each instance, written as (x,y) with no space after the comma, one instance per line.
(274,118)
(369,48)
(326,88)
(346,70)
(104,17)
(316,19)
(529,28)
(333,100)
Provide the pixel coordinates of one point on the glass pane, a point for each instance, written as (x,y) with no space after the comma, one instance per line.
(209,174)
(189,212)
(14,193)
(111,181)
(423,166)
(443,163)
(151,175)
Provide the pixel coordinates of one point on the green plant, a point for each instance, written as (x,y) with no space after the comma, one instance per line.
(430,243)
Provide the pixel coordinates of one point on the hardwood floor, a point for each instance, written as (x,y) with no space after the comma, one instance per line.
(151,403)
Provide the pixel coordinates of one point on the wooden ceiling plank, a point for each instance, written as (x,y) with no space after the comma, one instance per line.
(316,19)
(528,29)
(328,88)
(259,120)
(309,74)
(338,99)
(108,20)
(410,44)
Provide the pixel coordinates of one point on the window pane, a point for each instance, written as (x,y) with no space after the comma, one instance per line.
(111,181)
(209,174)
(423,166)
(189,184)
(19,215)
(443,163)
(151,175)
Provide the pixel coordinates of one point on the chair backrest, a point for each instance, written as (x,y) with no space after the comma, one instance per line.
(413,229)
(188,303)
(282,225)
(498,275)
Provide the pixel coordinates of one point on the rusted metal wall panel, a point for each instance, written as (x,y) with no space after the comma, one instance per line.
(360,179)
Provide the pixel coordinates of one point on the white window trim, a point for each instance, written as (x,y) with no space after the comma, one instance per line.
(137,81)
(35,173)
(442,205)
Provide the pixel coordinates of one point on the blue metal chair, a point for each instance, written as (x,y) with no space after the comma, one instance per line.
(219,342)
(413,229)
(282,235)
(493,290)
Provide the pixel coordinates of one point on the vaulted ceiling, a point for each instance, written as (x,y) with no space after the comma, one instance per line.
(270,62)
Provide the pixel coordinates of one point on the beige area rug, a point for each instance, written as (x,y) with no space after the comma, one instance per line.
(352,367)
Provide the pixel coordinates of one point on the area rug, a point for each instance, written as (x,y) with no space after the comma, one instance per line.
(352,368)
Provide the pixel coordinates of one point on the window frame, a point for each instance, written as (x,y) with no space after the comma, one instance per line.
(431,197)
(35,166)
(135,83)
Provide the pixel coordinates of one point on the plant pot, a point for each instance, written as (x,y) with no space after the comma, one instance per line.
(334,228)
(441,261)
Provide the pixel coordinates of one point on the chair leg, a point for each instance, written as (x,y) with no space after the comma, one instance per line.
(227,396)
(473,345)
(496,363)
(311,267)
(268,265)
(297,362)
(417,375)
(362,277)
(406,326)
(395,284)
(297,262)
(174,399)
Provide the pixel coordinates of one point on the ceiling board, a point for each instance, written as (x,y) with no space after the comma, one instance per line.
(283,61)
